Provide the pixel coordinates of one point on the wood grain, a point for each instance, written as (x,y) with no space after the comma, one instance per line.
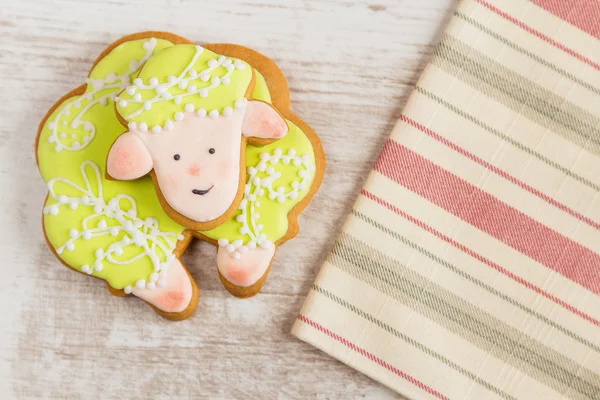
(350,67)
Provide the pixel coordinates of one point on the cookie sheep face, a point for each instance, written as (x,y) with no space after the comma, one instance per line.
(197,163)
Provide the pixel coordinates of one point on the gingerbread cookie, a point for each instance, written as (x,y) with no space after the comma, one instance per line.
(168,141)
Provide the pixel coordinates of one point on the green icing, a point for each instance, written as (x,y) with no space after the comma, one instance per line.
(185,75)
(70,156)
(261,90)
(66,164)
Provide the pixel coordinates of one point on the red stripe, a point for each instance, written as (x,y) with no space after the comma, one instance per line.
(499,172)
(371,357)
(584,14)
(540,35)
(485,212)
(480,258)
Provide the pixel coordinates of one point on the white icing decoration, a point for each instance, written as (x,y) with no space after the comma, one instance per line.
(111,85)
(183,82)
(151,241)
(257,187)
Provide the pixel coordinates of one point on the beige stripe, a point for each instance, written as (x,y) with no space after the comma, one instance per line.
(427,256)
(417,327)
(517,128)
(463,318)
(525,66)
(551,26)
(507,154)
(518,93)
(500,188)
(489,247)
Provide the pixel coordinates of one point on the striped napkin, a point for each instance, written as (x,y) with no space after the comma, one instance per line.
(469,267)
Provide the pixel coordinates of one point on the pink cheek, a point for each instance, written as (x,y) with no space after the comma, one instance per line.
(193,170)
(172,182)
(226,169)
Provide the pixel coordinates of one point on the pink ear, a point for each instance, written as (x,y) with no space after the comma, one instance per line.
(262,121)
(128,158)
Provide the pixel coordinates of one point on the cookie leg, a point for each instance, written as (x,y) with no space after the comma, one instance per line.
(245,276)
(177,298)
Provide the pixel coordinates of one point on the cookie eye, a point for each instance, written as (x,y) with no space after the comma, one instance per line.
(176,157)
(211,150)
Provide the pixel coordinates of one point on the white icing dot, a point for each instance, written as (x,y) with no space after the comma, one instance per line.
(62,199)
(237,255)
(98,266)
(150,286)
(230,248)
(85,200)
(237,243)
(172,79)
(131,213)
(297,162)
(99,253)
(240,218)
(257,204)
(86,268)
(251,170)
(226,80)
(138,82)
(73,205)
(201,112)
(221,60)
(239,64)
(189,108)
(161,283)
(144,127)
(63,135)
(167,96)
(295,185)
(123,103)
(280,199)
(224,242)
(147,105)
(114,231)
(111,77)
(205,77)
(118,251)
(156,129)
(126,239)
(227,111)
(154,277)
(226,63)
(256,181)
(294,195)
(87,235)
(169,125)
(182,85)
(264,156)
(70,246)
(213,114)
(153,81)
(193,73)
(285,159)
(51,139)
(140,284)
(212,63)
(132,126)
(215,80)
(302,173)
(240,103)
(137,96)
(177,99)
(243,230)
(203,93)
(130,90)
(178,116)
(243,249)
(192,88)
(252,245)
(59,250)
(180,237)
(160,89)
(267,244)
(127,289)
(52,125)
(97,208)
(251,197)
(102,224)
(73,233)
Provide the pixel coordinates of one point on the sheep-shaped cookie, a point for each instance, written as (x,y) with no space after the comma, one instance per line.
(165,142)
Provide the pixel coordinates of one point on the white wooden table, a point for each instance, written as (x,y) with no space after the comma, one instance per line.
(351,66)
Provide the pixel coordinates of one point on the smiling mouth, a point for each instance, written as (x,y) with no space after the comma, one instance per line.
(202,192)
